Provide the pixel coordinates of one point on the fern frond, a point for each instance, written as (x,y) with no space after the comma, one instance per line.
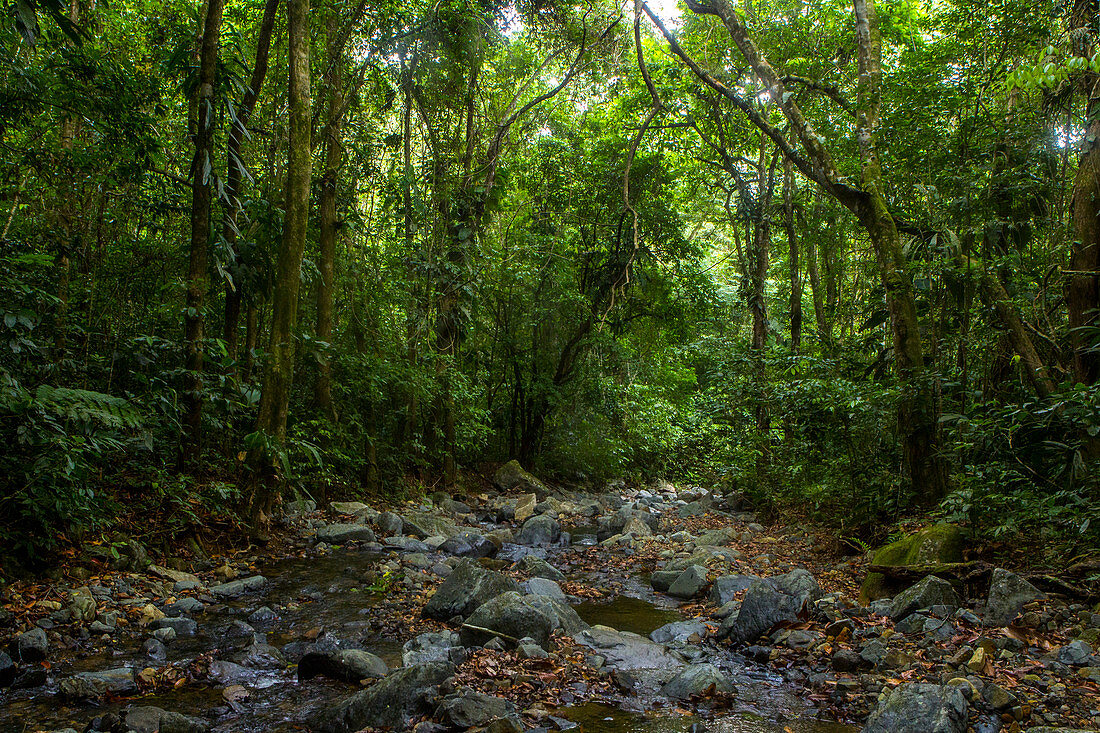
(88,407)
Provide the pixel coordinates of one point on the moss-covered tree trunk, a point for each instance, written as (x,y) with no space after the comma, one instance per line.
(279,366)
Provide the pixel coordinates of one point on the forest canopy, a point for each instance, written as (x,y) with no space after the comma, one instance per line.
(840,258)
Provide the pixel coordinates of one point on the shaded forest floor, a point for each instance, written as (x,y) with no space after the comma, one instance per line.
(660,574)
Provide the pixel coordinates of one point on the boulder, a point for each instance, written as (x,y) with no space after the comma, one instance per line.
(338,534)
(8,670)
(525,507)
(512,616)
(180,625)
(697,680)
(511,476)
(348,665)
(235,588)
(536,567)
(468,587)
(931,591)
(717,536)
(689,583)
(94,685)
(469,544)
(938,544)
(679,632)
(919,708)
(1008,593)
(83,606)
(726,587)
(431,646)
(347,507)
(31,646)
(614,524)
(468,708)
(150,719)
(423,525)
(389,524)
(626,651)
(768,602)
(662,580)
(539,530)
(543,587)
(392,702)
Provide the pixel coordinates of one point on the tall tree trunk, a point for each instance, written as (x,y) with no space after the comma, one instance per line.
(326,239)
(919,411)
(792,246)
(279,366)
(758,278)
(202,179)
(1083,288)
(234,289)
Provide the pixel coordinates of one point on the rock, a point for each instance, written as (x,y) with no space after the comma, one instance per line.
(616,523)
(525,507)
(83,605)
(261,655)
(919,708)
(262,615)
(181,625)
(423,525)
(347,507)
(149,719)
(697,680)
(635,527)
(155,650)
(391,702)
(769,602)
(467,708)
(997,697)
(662,580)
(1008,593)
(348,665)
(407,544)
(690,583)
(623,650)
(8,670)
(94,685)
(848,661)
(228,673)
(186,605)
(543,587)
(941,543)
(726,587)
(931,591)
(468,587)
(680,632)
(389,523)
(32,646)
(235,588)
(511,476)
(468,544)
(431,646)
(540,530)
(1075,654)
(538,568)
(513,616)
(339,534)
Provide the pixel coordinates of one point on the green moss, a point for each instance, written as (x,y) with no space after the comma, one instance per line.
(940,543)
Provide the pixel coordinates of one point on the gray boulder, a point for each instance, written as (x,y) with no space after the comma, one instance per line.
(768,602)
(348,665)
(150,719)
(431,646)
(539,530)
(239,587)
(679,632)
(536,567)
(1008,593)
(662,580)
(181,625)
(511,476)
(94,685)
(689,583)
(31,646)
(697,680)
(931,591)
(468,708)
(423,525)
(512,616)
(626,651)
(919,708)
(468,544)
(338,534)
(614,524)
(392,702)
(466,588)
(726,587)
(389,523)
(543,587)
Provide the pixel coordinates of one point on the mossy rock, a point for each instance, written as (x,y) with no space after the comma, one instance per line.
(940,543)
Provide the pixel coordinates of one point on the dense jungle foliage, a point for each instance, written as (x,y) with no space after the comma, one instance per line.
(839,257)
